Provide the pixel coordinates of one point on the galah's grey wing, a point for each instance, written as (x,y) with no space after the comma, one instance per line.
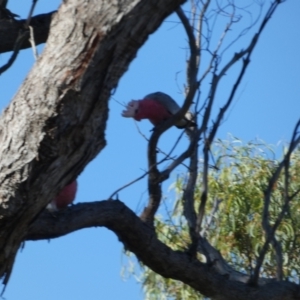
(165,100)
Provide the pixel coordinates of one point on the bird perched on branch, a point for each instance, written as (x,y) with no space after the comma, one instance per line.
(65,197)
(156,107)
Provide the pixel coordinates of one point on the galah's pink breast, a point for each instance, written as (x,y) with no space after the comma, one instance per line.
(66,195)
(152,110)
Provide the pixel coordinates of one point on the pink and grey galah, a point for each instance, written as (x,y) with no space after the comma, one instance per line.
(156,107)
(65,197)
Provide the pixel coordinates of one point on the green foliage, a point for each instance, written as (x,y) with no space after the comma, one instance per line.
(237,181)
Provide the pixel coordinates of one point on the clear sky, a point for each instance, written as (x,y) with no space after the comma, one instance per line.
(87,264)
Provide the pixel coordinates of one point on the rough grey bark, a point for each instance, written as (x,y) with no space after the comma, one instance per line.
(9,31)
(55,124)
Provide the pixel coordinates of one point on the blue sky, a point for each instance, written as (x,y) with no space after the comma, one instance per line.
(87,264)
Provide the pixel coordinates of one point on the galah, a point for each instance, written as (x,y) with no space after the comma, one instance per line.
(65,197)
(156,107)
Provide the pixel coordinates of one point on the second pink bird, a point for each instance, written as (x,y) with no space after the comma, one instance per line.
(65,197)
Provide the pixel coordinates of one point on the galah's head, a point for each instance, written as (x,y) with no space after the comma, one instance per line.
(147,108)
(131,109)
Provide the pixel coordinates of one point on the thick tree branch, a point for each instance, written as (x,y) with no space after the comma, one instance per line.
(139,238)
(9,31)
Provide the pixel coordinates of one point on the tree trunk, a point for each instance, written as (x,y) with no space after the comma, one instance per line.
(55,124)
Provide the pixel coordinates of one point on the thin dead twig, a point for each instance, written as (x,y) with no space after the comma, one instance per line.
(23,34)
(270,230)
